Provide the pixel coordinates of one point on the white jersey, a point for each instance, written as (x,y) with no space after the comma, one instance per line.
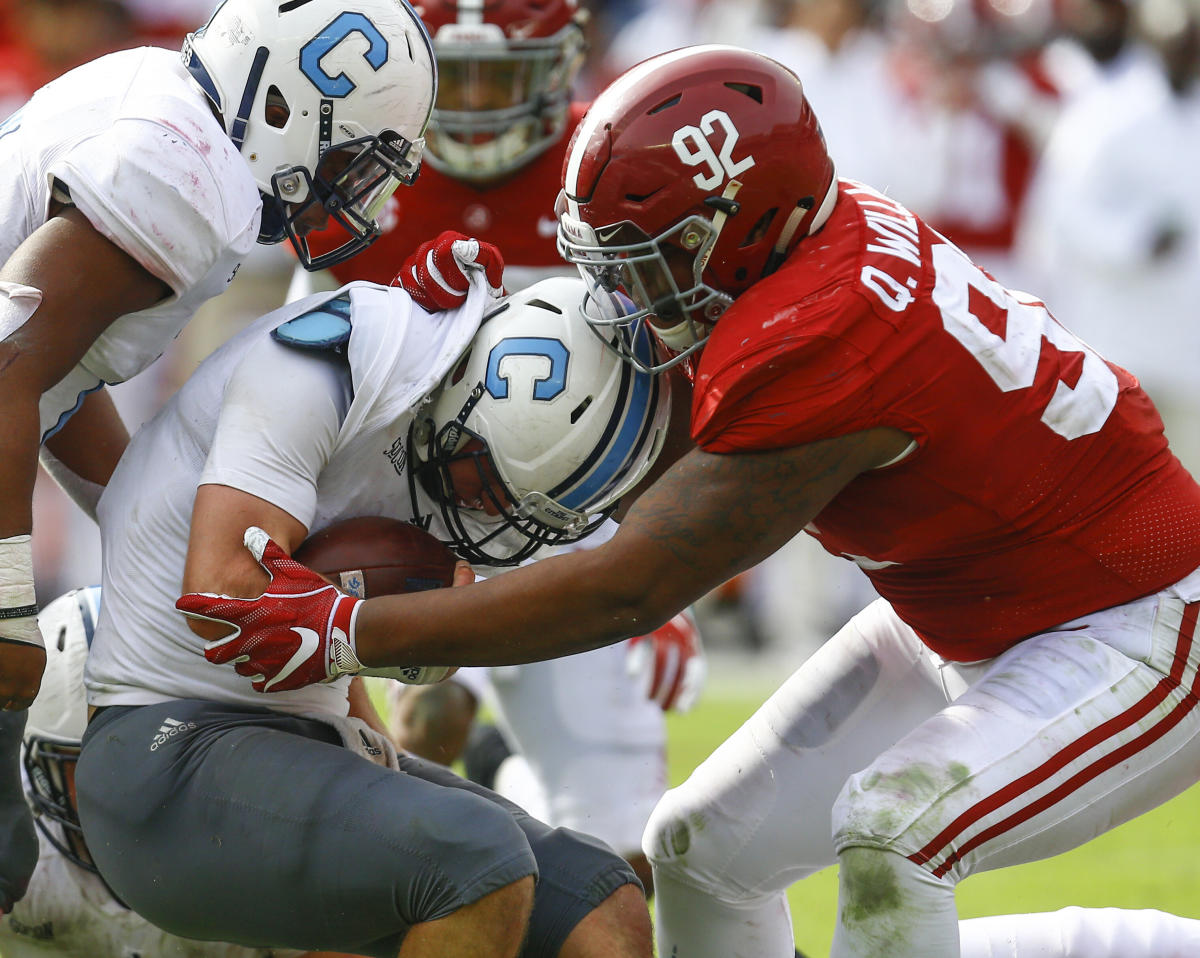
(321,436)
(70,912)
(134,143)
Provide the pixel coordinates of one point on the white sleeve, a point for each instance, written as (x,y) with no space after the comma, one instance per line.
(280,417)
(153,193)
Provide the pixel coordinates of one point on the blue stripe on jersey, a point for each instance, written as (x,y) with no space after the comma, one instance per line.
(62,420)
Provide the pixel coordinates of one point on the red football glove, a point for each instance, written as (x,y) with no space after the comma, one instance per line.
(670,663)
(297,633)
(436,275)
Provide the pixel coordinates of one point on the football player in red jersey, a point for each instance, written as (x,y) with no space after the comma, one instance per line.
(1028,680)
(594,746)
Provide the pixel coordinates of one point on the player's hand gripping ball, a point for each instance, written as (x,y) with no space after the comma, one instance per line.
(437,274)
(374,555)
(300,631)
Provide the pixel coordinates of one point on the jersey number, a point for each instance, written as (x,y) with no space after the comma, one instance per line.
(1005,334)
(692,146)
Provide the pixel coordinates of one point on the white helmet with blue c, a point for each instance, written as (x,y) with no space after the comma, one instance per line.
(550,423)
(328,104)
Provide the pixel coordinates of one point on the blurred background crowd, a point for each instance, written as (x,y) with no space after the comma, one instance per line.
(1055,140)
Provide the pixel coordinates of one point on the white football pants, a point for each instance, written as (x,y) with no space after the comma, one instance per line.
(914,773)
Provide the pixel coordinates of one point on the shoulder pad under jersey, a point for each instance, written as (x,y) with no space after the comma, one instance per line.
(325,328)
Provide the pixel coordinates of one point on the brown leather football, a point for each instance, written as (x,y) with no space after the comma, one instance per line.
(373,555)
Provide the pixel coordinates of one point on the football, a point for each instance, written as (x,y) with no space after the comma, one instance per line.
(372,555)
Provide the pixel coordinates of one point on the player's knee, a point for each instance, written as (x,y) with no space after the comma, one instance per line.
(888,903)
(492,926)
(676,840)
(472,848)
(880,806)
(870,882)
(583,884)
(504,914)
(619,927)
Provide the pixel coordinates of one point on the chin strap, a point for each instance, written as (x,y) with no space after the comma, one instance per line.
(779,253)
(725,207)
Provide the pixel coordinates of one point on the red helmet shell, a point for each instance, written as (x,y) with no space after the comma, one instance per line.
(665,139)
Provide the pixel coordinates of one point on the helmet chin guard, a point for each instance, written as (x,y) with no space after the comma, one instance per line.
(352,197)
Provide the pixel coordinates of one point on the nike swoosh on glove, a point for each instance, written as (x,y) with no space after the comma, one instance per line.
(436,274)
(299,632)
(669,663)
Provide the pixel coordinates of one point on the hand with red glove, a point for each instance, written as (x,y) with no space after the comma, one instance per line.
(302,626)
(669,663)
(437,274)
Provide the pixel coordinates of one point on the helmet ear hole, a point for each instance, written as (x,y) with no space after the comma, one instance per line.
(752,90)
(459,370)
(581,409)
(760,229)
(275,109)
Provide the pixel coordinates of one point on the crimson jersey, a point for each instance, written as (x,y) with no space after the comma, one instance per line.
(1041,488)
(516,215)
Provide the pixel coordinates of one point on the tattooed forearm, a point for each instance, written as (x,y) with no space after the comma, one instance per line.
(724,512)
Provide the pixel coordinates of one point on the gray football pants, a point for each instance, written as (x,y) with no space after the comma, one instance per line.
(229,823)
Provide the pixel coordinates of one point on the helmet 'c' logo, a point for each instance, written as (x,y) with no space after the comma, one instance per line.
(342,27)
(546,387)
(692,145)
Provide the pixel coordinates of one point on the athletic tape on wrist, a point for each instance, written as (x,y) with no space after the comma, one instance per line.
(18,601)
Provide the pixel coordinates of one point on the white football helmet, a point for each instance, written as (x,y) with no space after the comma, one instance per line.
(328,104)
(556,426)
(57,718)
(506,68)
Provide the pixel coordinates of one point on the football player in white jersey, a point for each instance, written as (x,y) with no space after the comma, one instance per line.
(591,744)
(218,811)
(132,188)
(68,909)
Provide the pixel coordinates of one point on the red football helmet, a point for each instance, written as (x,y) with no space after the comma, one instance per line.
(691,177)
(505,69)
